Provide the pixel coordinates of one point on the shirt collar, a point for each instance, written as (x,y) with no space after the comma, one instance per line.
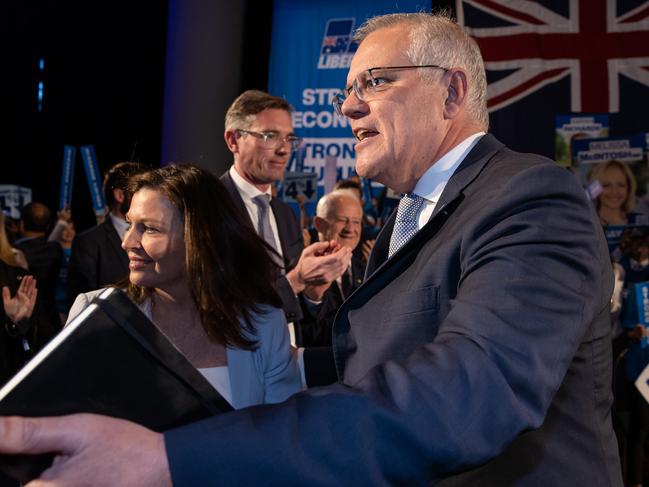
(120,225)
(432,183)
(247,189)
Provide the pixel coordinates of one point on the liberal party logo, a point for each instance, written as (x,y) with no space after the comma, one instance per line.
(337,44)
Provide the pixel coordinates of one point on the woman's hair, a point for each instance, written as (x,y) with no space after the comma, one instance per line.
(598,173)
(229,269)
(7,254)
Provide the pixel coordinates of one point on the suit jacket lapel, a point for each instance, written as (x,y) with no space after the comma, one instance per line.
(227,181)
(379,252)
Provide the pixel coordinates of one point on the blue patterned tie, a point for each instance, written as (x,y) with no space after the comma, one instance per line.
(405,225)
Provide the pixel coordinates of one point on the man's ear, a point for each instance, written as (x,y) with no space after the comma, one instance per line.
(232,141)
(118,195)
(320,224)
(456,94)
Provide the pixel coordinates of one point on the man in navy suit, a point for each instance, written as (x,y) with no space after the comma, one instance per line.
(259,133)
(98,258)
(475,353)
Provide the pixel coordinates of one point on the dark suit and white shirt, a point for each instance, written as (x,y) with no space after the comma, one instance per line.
(249,191)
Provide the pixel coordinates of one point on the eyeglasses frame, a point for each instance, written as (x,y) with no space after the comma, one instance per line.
(295,144)
(340,98)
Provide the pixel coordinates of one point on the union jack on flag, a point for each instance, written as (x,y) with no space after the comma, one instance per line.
(528,45)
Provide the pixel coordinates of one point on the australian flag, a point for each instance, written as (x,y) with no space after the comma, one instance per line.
(550,57)
(337,37)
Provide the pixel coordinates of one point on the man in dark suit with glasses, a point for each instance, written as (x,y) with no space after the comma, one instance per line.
(259,133)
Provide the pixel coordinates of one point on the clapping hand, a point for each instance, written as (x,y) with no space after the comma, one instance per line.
(20,307)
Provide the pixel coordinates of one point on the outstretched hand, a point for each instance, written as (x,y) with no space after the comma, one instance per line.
(90,450)
(20,307)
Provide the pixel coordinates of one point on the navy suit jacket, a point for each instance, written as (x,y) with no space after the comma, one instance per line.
(477,355)
(290,237)
(97,260)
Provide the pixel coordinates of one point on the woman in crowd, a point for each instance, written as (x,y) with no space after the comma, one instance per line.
(203,277)
(616,202)
(18,296)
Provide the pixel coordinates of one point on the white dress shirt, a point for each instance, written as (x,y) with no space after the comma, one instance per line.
(433,182)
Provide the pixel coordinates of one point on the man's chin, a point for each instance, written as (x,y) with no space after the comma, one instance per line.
(370,169)
(351,245)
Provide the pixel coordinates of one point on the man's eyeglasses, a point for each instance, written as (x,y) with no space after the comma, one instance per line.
(371,81)
(273,140)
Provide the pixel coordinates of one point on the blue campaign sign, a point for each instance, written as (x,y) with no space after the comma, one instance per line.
(67,176)
(570,128)
(311,51)
(642,302)
(94,179)
(630,150)
(623,149)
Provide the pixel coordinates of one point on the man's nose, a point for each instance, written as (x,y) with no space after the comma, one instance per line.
(353,107)
(284,148)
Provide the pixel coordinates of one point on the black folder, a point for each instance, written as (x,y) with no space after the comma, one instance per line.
(109,360)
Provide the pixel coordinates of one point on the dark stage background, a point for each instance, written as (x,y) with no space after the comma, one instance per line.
(104,83)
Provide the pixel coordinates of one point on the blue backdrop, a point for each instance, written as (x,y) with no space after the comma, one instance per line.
(310,52)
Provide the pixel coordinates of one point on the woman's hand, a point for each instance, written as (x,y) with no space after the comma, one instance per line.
(21,306)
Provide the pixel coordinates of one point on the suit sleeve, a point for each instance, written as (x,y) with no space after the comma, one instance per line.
(290,302)
(532,279)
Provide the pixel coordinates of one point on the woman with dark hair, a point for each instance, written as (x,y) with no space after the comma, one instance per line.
(202,276)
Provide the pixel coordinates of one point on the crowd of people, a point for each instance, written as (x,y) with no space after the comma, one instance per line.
(467,343)
(628,232)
